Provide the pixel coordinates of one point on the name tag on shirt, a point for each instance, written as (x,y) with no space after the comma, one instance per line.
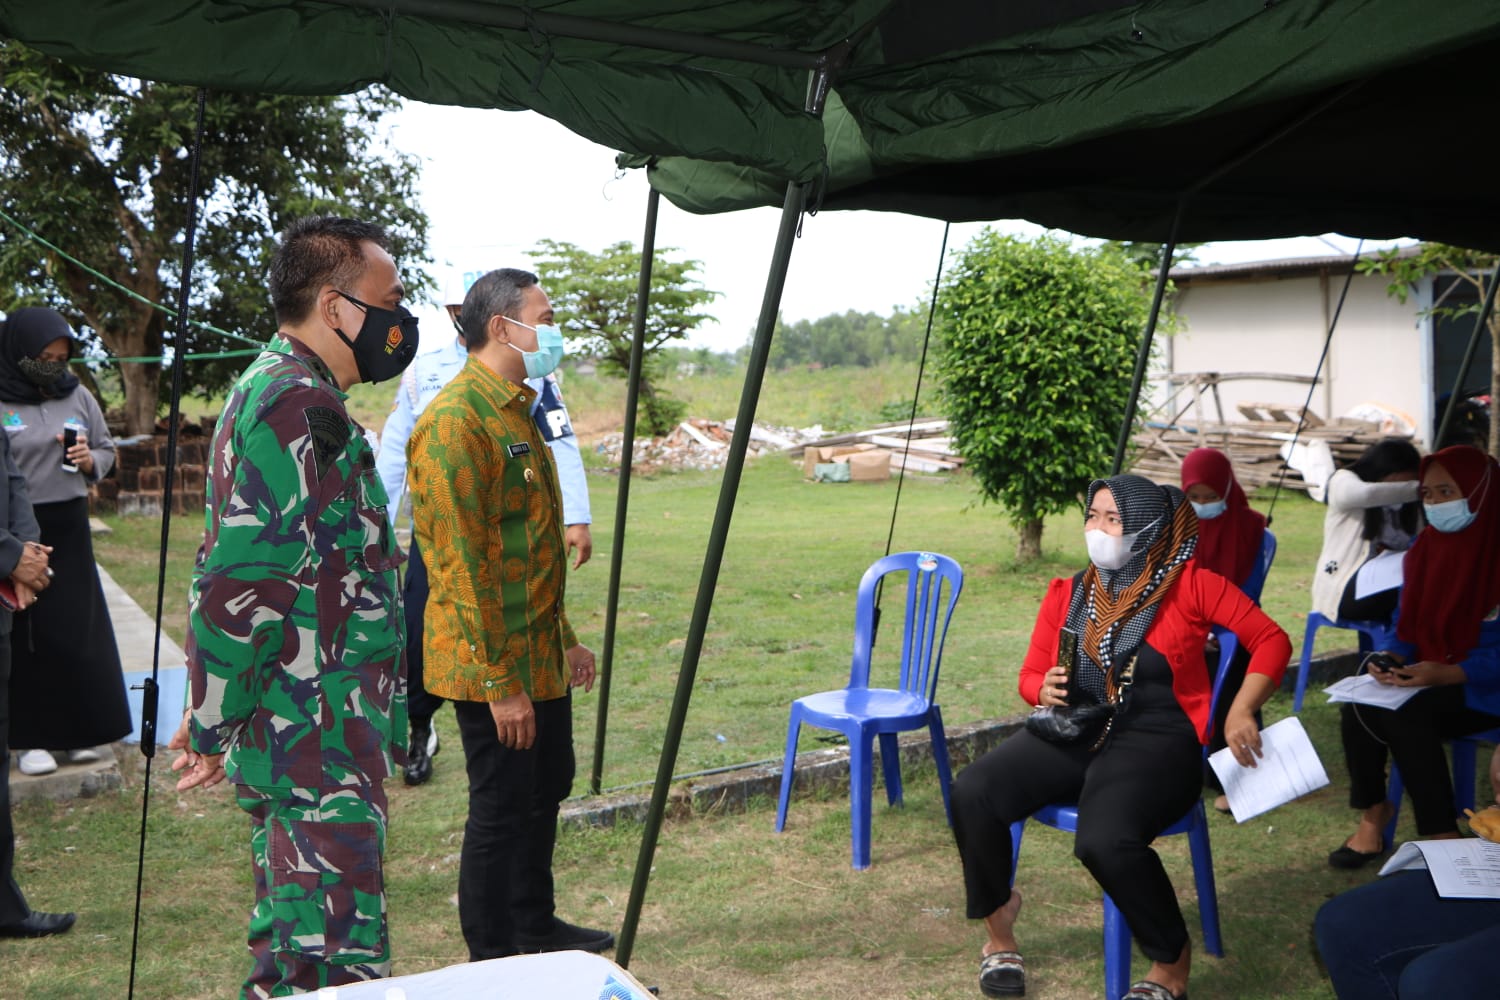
(518,449)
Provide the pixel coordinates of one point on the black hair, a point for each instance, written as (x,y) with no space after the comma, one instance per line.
(1381,459)
(496,293)
(317,251)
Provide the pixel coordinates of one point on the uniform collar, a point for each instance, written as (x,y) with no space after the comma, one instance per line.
(285,343)
(502,389)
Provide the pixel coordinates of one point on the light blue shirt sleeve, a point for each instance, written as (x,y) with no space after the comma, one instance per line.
(566,456)
(391,461)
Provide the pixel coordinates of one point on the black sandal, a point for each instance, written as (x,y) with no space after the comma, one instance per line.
(1002,974)
(1349,859)
(1147,990)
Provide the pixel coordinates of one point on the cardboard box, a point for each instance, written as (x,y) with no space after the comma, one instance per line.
(869,466)
(813,455)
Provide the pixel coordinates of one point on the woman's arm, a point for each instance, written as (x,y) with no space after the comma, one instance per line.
(1041,655)
(1351,491)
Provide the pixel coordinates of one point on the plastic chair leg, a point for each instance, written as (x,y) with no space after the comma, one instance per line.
(1116,951)
(890,767)
(861,787)
(1203,876)
(940,760)
(1314,620)
(793,728)
(1016,829)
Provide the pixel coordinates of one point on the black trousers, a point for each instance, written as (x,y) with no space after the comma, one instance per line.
(505,868)
(421,705)
(13,908)
(1142,781)
(1413,734)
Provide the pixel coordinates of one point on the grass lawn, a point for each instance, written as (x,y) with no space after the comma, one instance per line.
(733,910)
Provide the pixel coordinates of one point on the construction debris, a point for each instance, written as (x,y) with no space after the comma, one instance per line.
(913,447)
(699,444)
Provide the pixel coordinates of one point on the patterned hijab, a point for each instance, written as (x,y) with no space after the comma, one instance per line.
(1113,609)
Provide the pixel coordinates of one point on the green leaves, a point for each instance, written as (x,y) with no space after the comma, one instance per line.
(1035,358)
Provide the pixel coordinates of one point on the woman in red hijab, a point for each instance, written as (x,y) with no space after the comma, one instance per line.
(1229,540)
(1447,647)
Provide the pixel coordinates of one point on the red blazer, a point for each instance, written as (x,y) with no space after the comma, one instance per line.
(1199,599)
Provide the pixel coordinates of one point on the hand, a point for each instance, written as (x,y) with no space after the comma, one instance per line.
(1427,673)
(80,455)
(31,570)
(578,537)
(515,721)
(1242,736)
(581,667)
(1054,688)
(203,769)
(25,596)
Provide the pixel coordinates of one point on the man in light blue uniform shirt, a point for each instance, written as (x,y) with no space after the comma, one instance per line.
(420,383)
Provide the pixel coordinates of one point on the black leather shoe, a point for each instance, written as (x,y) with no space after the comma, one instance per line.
(40,924)
(565,937)
(418,760)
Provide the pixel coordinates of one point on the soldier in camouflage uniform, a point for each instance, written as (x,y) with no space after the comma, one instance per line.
(295,631)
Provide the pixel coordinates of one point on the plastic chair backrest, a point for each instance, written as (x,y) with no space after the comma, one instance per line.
(928,611)
(1252,587)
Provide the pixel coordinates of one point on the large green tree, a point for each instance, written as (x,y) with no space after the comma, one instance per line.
(1035,360)
(594,297)
(99,166)
(1407,266)
(849,339)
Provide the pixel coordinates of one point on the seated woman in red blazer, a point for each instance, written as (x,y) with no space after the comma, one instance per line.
(1142,601)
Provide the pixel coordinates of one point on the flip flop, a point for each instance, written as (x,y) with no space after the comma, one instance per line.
(1147,990)
(1002,974)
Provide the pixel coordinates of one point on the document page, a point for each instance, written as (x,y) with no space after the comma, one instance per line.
(1468,868)
(1289,770)
(1366,690)
(1378,574)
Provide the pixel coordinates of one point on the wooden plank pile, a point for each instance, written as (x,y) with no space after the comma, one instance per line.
(921,446)
(1253,445)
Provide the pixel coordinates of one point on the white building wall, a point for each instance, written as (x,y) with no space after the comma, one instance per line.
(1269,324)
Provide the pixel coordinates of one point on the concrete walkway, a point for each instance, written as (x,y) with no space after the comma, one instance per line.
(135,633)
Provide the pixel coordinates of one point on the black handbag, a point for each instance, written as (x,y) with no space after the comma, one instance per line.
(1078,724)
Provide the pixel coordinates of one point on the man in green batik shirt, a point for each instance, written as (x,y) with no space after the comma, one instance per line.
(295,631)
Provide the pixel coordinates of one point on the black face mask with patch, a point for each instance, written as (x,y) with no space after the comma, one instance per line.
(386,342)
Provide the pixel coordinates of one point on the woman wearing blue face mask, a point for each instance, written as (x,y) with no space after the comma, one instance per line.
(1448,646)
(1136,617)
(1230,535)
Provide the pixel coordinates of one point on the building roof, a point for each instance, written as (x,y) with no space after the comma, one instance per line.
(1286,267)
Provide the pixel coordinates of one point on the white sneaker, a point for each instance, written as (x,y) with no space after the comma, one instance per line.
(37,762)
(87,755)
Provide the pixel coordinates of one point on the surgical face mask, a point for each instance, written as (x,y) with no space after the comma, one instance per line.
(1209,511)
(1454,515)
(1109,551)
(386,342)
(549,349)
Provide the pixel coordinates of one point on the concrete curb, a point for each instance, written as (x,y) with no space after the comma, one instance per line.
(734,790)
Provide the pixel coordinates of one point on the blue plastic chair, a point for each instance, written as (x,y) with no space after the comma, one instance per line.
(1064,817)
(862,712)
(1465,750)
(1372,636)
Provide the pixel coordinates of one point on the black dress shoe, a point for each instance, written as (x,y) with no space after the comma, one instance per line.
(418,760)
(39,924)
(565,937)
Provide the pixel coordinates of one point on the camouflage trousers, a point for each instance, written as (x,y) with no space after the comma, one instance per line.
(319,915)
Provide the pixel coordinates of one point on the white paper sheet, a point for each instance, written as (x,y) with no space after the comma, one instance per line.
(1378,574)
(1363,689)
(1289,770)
(559,975)
(1468,868)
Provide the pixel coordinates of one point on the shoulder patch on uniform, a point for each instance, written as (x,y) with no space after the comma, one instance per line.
(518,449)
(328,432)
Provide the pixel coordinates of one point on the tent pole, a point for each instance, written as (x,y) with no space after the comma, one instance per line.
(760,350)
(1143,356)
(1463,369)
(622,501)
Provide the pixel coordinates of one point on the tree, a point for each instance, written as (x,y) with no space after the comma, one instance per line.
(1406,266)
(1035,366)
(99,165)
(594,296)
(1148,255)
(851,339)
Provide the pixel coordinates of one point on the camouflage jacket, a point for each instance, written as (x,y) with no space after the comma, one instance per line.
(487,513)
(296,640)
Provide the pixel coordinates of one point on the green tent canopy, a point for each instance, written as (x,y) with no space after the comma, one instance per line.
(1302,116)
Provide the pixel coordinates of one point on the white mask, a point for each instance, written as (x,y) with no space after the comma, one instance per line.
(1109,551)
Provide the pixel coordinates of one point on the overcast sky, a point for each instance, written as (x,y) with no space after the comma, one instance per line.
(495,182)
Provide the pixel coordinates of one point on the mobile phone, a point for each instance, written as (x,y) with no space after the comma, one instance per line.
(1067,650)
(1382,663)
(70,438)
